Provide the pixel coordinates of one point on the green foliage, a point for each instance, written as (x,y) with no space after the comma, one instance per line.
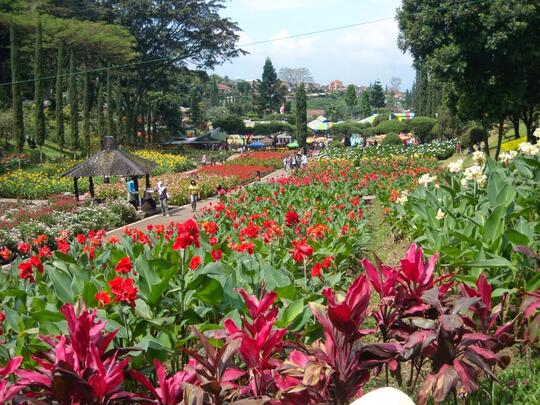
(301,116)
(272,127)
(350,97)
(59,98)
(421,127)
(392,138)
(73,101)
(390,126)
(268,97)
(232,124)
(39,117)
(473,136)
(365,104)
(18,123)
(376,95)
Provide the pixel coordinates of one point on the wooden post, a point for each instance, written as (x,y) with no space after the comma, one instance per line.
(91,181)
(76,188)
(148,181)
(136,180)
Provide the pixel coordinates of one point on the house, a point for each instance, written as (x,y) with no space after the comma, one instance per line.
(223,88)
(314,113)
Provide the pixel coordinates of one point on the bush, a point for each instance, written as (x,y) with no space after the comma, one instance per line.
(386,127)
(392,139)
(336,144)
(514,144)
(422,126)
(473,136)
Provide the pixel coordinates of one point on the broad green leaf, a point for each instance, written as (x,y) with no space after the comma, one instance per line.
(61,284)
(210,292)
(292,311)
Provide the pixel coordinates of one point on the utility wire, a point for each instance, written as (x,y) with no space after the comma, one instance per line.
(267,41)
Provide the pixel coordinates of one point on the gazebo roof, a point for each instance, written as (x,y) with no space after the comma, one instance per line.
(111,162)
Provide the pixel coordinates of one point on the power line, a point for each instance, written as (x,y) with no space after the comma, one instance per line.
(325,30)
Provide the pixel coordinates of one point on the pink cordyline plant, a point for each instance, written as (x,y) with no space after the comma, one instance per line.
(7,390)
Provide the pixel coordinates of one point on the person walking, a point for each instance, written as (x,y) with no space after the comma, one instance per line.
(133,194)
(304,160)
(163,195)
(194,194)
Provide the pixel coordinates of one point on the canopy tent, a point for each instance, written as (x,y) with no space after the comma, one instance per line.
(293,145)
(110,162)
(256,145)
(320,124)
(402,116)
(369,120)
(310,140)
(321,139)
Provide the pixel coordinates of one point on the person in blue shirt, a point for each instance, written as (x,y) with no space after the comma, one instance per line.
(133,195)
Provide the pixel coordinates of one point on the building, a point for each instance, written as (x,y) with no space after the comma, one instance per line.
(335,85)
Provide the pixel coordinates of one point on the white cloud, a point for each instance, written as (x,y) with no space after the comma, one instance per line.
(292,47)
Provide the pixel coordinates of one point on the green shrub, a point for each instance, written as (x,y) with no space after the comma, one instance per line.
(421,127)
(392,139)
(472,136)
(336,144)
(386,127)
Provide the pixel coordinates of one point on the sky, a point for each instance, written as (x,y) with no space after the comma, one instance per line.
(358,55)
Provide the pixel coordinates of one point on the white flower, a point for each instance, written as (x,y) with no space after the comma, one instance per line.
(507,157)
(536,133)
(455,167)
(403,198)
(528,148)
(425,179)
(481,180)
(479,157)
(474,173)
(440,215)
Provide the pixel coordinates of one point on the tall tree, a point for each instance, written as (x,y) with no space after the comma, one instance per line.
(196,112)
(59,99)
(376,95)
(301,116)
(73,101)
(86,111)
(109,100)
(350,98)
(39,118)
(214,93)
(365,104)
(295,76)
(18,122)
(100,119)
(268,96)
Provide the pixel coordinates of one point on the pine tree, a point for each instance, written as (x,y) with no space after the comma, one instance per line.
(301,116)
(214,93)
(86,111)
(39,118)
(268,95)
(365,104)
(376,95)
(60,98)
(100,124)
(18,121)
(73,101)
(350,98)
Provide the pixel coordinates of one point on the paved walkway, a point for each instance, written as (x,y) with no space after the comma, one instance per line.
(184,212)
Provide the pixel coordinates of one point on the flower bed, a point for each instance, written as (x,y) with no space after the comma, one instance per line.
(167,162)
(272,159)
(241,172)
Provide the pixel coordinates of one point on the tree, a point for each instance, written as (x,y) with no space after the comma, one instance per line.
(365,104)
(486,72)
(213,93)
(294,76)
(195,107)
(39,117)
(350,97)
(86,111)
(268,89)
(232,124)
(109,123)
(100,124)
(73,101)
(18,122)
(376,95)
(59,99)
(301,116)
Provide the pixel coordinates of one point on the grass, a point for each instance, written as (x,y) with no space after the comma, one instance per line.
(51,151)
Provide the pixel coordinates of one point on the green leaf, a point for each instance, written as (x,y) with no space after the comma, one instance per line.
(210,292)
(533,284)
(496,262)
(290,313)
(274,278)
(13,319)
(494,226)
(61,284)
(516,238)
(142,310)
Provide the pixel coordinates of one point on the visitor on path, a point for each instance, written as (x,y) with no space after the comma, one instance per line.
(132,193)
(148,204)
(204,160)
(194,194)
(286,163)
(220,191)
(163,195)
(258,177)
(304,160)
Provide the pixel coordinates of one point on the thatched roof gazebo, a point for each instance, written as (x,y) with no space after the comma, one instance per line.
(110,162)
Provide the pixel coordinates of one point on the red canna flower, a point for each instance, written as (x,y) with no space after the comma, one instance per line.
(327,262)
(5,253)
(213,241)
(63,245)
(23,248)
(103,298)
(316,270)
(301,250)
(195,262)
(188,234)
(216,254)
(251,231)
(124,265)
(44,252)
(90,250)
(35,261)
(210,227)
(113,240)
(291,218)
(81,238)
(246,247)
(40,240)
(123,290)
(25,271)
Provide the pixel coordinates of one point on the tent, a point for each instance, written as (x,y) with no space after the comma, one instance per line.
(369,120)
(293,145)
(320,124)
(256,145)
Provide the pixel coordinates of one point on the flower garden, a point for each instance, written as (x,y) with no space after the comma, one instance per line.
(273,296)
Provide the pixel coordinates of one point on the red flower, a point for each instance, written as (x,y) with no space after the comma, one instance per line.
(113,240)
(26,268)
(23,248)
(327,262)
(216,254)
(63,246)
(124,265)
(210,227)
(81,238)
(195,262)
(40,240)
(103,298)
(44,252)
(90,250)
(123,290)
(291,218)
(188,234)
(36,262)
(301,250)
(246,246)
(213,241)
(5,253)
(316,270)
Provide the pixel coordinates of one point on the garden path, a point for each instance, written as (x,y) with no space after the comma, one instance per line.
(182,213)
